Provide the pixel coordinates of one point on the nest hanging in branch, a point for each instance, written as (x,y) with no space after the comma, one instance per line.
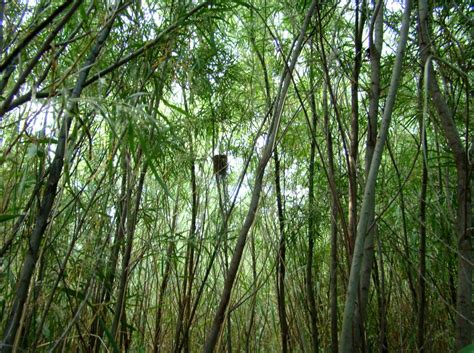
(220,164)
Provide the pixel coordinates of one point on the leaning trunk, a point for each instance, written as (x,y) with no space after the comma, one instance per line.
(49,196)
(214,331)
(368,201)
(464,315)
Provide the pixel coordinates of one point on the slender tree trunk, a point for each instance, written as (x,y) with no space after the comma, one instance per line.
(406,245)
(345,344)
(422,249)
(375,51)
(131,225)
(64,263)
(31,317)
(379,281)
(464,315)
(421,294)
(221,182)
(442,174)
(334,215)
(250,338)
(226,255)
(281,259)
(98,324)
(333,99)
(49,196)
(311,296)
(164,283)
(185,307)
(354,138)
(219,317)
(281,256)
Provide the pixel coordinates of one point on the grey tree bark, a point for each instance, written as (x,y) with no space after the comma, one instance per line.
(375,51)
(464,315)
(368,202)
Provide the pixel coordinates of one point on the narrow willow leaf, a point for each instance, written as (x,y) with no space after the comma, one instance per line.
(7,217)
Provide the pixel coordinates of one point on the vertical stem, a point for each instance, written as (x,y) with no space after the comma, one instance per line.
(49,196)
(313,313)
(286,79)
(124,275)
(164,282)
(422,251)
(281,259)
(375,51)
(334,214)
(249,339)
(464,315)
(97,327)
(345,344)
(354,137)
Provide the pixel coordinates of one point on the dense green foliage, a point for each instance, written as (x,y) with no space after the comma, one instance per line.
(111,115)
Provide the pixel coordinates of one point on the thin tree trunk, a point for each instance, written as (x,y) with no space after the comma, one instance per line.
(310,295)
(31,317)
(379,281)
(281,255)
(49,196)
(422,249)
(249,339)
(97,327)
(406,246)
(464,315)
(333,99)
(421,293)
(185,307)
(164,283)
(375,51)
(62,267)
(354,137)
(219,317)
(185,304)
(281,259)
(131,225)
(345,344)
(334,215)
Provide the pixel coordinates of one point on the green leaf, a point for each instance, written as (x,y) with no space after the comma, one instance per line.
(467,349)
(7,217)
(46,140)
(159,179)
(83,14)
(175,107)
(112,341)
